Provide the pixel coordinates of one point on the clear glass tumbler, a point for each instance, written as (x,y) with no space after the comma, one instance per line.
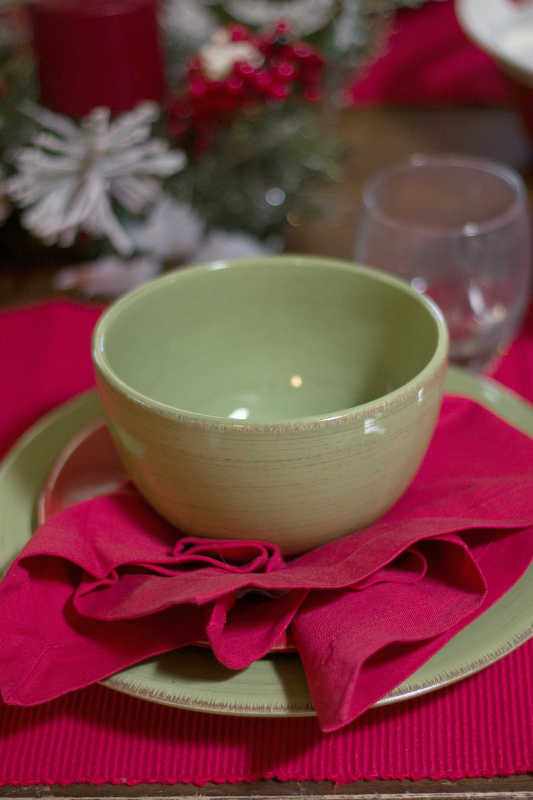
(459,229)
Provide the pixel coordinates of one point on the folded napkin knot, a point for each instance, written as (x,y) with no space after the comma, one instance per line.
(227,555)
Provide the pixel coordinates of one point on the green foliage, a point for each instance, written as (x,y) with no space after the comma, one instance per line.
(260,169)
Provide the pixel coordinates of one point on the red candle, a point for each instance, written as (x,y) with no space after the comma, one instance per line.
(96,53)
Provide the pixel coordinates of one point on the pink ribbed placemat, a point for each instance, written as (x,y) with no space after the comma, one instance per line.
(482,726)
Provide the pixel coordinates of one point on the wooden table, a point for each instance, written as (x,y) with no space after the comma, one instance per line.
(376,137)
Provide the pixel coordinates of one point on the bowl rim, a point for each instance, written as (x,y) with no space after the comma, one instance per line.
(435,364)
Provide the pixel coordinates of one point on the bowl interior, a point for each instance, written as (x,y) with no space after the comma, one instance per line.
(267,339)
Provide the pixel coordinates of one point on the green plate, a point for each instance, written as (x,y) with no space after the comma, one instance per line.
(274,686)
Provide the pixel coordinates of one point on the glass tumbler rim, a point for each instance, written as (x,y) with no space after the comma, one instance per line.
(417,160)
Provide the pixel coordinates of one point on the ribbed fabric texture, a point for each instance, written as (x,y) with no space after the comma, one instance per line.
(481,726)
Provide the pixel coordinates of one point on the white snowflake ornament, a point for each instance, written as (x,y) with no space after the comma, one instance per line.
(70,175)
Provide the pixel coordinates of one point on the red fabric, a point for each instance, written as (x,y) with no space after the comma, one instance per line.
(427,60)
(104,584)
(515,370)
(44,360)
(481,726)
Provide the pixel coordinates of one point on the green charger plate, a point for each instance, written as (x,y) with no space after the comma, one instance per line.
(192,678)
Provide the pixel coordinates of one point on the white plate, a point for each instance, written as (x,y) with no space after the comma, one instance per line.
(502,28)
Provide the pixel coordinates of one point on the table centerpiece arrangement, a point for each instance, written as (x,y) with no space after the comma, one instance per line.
(137,132)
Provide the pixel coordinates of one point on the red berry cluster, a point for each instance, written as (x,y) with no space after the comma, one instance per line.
(289,66)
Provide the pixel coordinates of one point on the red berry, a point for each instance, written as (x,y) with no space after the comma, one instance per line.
(283,26)
(309,76)
(262,79)
(197,86)
(234,83)
(313,94)
(238,33)
(284,70)
(243,68)
(279,91)
(315,60)
(301,50)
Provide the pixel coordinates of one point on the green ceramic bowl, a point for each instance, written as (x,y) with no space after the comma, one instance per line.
(288,399)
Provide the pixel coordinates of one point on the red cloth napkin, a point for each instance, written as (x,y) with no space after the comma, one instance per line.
(104,583)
